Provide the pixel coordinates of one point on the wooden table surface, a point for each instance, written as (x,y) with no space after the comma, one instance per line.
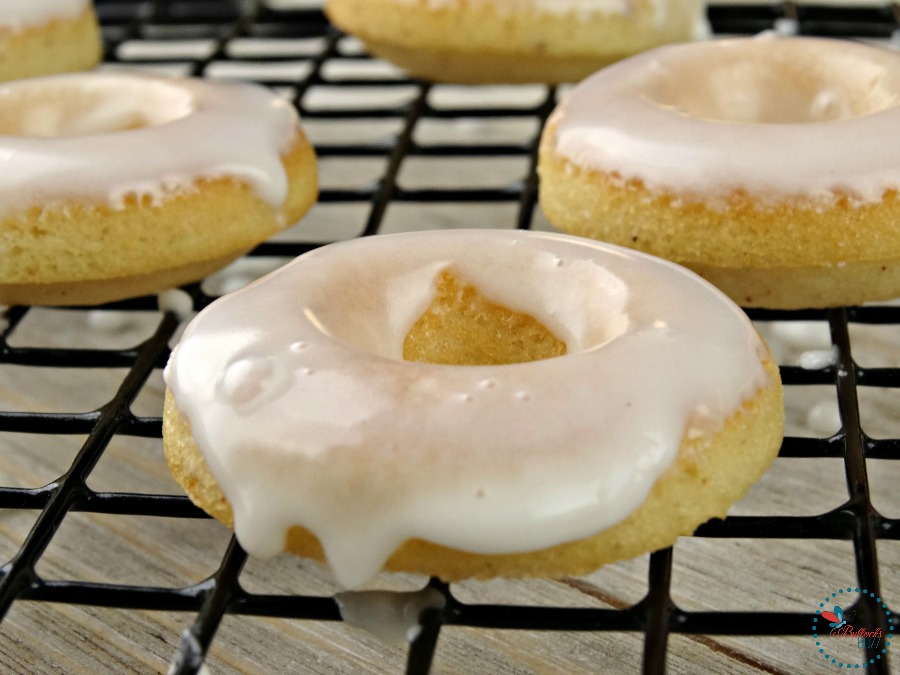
(708,574)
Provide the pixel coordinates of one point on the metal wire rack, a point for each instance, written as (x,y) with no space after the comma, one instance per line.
(320,70)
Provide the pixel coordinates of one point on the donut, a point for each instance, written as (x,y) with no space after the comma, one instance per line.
(513,41)
(41,37)
(470,403)
(767,165)
(118,184)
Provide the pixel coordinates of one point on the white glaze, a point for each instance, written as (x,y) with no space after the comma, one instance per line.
(175,301)
(824,418)
(778,117)
(110,321)
(817,359)
(74,137)
(392,617)
(17,15)
(297,395)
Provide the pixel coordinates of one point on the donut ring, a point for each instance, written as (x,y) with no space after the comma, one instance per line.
(295,396)
(116,185)
(771,170)
(41,37)
(497,41)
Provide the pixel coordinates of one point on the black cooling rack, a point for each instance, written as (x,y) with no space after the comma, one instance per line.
(219,24)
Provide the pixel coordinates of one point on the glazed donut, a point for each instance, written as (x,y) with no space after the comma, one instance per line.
(116,185)
(606,403)
(485,41)
(767,165)
(40,37)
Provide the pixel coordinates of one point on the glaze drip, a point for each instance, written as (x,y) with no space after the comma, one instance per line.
(392,617)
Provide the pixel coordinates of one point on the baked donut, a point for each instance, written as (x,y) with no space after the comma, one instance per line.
(496,41)
(116,185)
(470,404)
(767,165)
(40,37)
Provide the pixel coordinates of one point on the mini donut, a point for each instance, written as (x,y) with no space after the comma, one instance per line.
(470,404)
(41,37)
(497,41)
(767,165)
(116,185)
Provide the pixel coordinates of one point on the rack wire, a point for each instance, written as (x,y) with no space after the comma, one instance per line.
(320,72)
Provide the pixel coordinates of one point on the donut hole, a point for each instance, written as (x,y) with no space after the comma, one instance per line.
(772,81)
(426,307)
(77,106)
(463,328)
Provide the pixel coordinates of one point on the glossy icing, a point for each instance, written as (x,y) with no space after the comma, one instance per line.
(19,14)
(392,617)
(299,400)
(175,301)
(100,137)
(777,117)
